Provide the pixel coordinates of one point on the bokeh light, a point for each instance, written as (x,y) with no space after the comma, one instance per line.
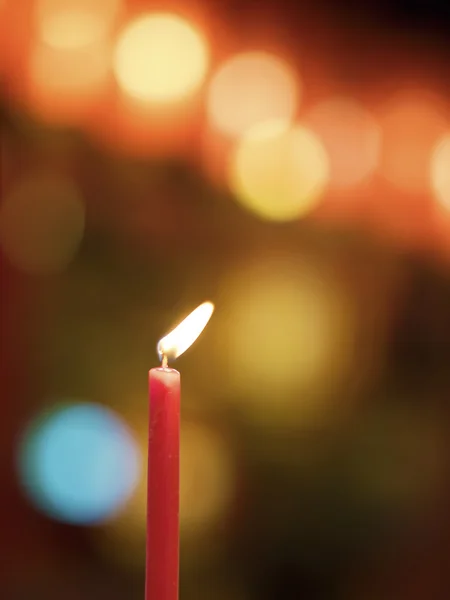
(207,477)
(251,88)
(207,486)
(42,223)
(62,85)
(72,71)
(440,171)
(412,122)
(79,464)
(74,24)
(160,57)
(351,137)
(288,338)
(279,172)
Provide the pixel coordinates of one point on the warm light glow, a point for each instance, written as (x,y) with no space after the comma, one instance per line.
(62,86)
(206,477)
(440,171)
(75,72)
(185,334)
(249,89)
(160,57)
(351,137)
(412,123)
(73,24)
(287,338)
(279,172)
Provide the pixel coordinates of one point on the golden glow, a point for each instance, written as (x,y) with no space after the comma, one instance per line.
(279,172)
(184,335)
(440,171)
(73,24)
(42,224)
(161,58)
(412,123)
(287,339)
(351,137)
(70,71)
(251,88)
(206,477)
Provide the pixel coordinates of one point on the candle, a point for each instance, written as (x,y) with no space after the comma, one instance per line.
(162,559)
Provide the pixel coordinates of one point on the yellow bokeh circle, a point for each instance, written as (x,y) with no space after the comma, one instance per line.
(279,172)
(160,57)
(287,337)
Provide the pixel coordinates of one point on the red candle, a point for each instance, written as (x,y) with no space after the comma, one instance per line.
(163,485)
(162,560)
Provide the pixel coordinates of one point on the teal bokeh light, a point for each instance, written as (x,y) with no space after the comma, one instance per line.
(79,464)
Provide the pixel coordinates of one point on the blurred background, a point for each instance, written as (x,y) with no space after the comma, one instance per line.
(289,161)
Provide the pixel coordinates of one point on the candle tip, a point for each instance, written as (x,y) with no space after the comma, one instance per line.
(179,339)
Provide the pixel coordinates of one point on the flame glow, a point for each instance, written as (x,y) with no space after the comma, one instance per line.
(184,335)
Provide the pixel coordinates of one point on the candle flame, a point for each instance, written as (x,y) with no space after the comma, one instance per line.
(184,335)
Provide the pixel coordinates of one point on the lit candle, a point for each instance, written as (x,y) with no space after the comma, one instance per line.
(164,459)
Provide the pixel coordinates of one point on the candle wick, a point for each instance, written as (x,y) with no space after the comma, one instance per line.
(165,362)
